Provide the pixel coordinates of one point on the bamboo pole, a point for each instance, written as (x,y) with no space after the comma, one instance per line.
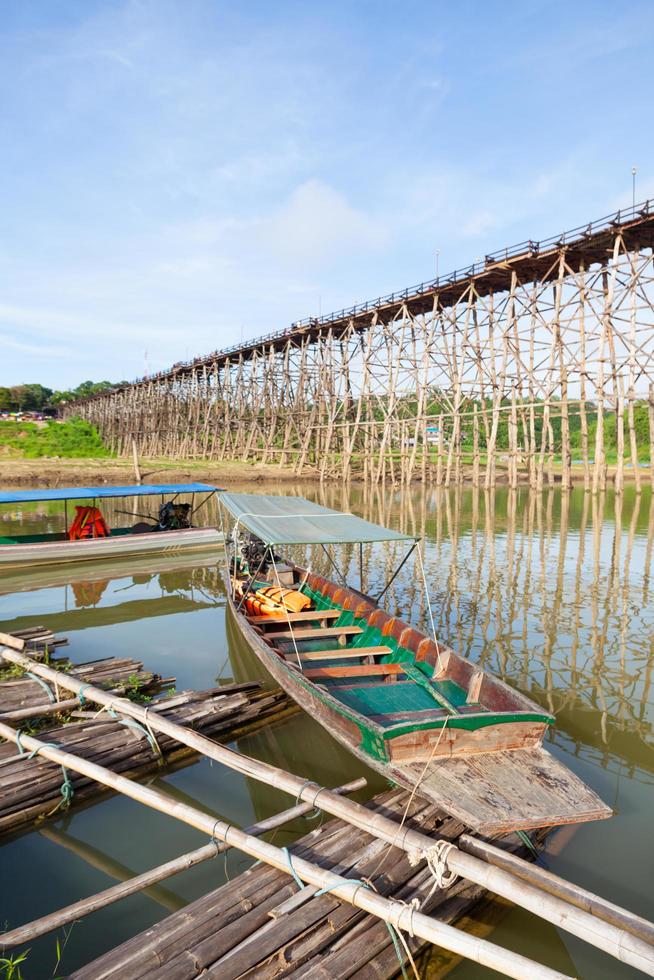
(40,710)
(616,942)
(397,913)
(135,460)
(71,913)
(558,886)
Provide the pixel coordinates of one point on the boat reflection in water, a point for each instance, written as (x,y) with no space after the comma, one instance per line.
(180,585)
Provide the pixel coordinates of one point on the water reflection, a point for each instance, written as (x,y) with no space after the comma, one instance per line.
(552,592)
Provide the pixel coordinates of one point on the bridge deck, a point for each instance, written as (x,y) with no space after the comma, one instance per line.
(531,261)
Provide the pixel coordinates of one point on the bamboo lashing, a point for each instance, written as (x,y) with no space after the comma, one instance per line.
(397,913)
(616,941)
(71,913)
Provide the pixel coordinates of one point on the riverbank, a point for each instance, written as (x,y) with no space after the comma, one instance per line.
(46,472)
(57,472)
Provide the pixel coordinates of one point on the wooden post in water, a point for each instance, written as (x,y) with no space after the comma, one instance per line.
(135,460)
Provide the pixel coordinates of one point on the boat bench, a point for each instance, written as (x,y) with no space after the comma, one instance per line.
(361,670)
(342,654)
(320,615)
(341,633)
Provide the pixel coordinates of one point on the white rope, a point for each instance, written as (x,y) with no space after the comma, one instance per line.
(429,609)
(436,858)
(288,618)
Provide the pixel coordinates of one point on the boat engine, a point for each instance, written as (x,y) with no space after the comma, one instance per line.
(174,517)
(256,556)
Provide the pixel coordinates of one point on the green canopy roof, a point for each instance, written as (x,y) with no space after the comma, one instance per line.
(294,520)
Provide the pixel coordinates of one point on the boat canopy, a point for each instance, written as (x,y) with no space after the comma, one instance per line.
(99,493)
(294,520)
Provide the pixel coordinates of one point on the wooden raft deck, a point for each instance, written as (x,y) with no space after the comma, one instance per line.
(31,788)
(260,925)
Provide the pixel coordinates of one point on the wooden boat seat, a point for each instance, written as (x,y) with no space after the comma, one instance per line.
(361,670)
(342,654)
(339,632)
(308,615)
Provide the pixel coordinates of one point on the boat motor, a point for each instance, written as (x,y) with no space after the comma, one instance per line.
(174,517)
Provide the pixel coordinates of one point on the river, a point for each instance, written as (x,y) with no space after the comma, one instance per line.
(552,592)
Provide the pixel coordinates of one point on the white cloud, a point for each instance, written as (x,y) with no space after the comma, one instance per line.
(317,224)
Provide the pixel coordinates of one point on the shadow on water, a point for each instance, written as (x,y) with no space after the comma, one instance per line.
(550,592)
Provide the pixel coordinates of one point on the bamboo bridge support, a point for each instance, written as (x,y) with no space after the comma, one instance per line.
(535,365)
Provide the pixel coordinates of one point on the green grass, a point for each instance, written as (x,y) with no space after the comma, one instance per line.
(75,438)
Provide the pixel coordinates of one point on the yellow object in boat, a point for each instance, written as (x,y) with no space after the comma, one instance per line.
(289,599)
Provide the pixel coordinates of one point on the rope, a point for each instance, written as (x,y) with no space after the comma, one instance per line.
(393,930)
(80,694)
(132,723)
(288,617)
(414,858)
(316,809)
(436,858)
(157,750)
(527,841)
(66,788)
(39,680)
(298,880)
(429,609)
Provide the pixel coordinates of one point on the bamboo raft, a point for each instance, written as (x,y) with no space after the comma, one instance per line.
(618,932)
(29,697)
(261,925)
(32,788)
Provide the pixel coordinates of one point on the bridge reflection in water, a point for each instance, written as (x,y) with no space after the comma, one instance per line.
(549,591)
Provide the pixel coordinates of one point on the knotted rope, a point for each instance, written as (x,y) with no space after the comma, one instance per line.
(132,723)
(316,812)
(66,788)
(394,929)
(436,857)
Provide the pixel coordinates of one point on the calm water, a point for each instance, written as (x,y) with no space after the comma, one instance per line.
(551,593)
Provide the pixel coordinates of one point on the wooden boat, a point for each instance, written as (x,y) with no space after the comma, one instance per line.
(406,704)
(53,548)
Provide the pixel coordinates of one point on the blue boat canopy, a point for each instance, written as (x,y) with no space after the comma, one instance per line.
(294,520)
(100,493)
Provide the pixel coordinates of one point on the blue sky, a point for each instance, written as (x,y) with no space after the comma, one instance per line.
(177,175)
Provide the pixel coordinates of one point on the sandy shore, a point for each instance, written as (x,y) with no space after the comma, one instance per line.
(95,472)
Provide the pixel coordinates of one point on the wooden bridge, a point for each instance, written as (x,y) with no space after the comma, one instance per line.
(497,372)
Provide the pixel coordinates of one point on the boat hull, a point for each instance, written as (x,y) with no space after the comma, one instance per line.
(492,792)
(17,556)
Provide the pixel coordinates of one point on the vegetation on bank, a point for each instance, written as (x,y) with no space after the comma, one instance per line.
(438,404)
(74,438)
(36,397)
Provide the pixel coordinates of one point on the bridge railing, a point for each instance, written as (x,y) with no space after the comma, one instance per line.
(529,247)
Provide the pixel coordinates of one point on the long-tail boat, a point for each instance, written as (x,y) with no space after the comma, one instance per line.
(405,703)
(86,535)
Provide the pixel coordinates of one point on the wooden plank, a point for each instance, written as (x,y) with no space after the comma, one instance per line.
(297,617)
(426,714)
(315,634)
(364,670)
(342,654)
(508,790)
(12,641)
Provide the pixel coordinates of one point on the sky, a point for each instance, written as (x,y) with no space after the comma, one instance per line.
(178,175)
